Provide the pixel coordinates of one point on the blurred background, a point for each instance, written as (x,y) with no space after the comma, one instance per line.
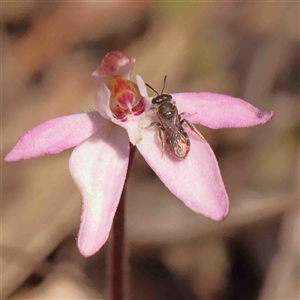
(245,49)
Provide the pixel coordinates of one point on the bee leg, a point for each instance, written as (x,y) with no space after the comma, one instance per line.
(193,128)
(151,124)
(187,114)
(161,134)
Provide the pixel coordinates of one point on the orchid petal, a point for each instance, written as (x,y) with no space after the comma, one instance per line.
(56,135)
(142,86)
(102,100)
(196,180)
(133,127)
(219,111)
(113,63)
(143,91)
(99,166)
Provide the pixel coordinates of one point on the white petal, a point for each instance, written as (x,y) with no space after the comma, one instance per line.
(99,166)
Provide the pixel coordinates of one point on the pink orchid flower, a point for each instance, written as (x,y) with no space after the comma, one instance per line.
(101,139)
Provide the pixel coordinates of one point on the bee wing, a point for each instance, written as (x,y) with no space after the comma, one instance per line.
(166,123)
(175,117)
(177,140)
(174,121)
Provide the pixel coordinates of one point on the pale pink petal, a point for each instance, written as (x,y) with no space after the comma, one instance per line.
(142,86)
(56,135)
(219,111)
(143,91)
(134,126)
(196,180)
(99,166)
(113,63)
(102,100)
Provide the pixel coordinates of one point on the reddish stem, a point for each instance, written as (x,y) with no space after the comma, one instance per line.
(118,252)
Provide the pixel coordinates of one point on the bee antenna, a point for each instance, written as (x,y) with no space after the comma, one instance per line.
(149,86)
(165,79)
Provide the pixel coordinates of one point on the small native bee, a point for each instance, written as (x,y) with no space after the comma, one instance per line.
(170,124)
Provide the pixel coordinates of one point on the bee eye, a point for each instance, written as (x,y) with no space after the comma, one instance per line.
(167,97)
(161,98)
(154,101)
(157,100)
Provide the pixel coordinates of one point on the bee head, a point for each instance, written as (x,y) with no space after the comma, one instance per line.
(161,98)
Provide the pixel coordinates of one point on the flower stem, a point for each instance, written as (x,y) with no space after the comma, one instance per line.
(118,250)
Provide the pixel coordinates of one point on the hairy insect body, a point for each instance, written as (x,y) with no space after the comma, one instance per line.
(171,130)
(170,127)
